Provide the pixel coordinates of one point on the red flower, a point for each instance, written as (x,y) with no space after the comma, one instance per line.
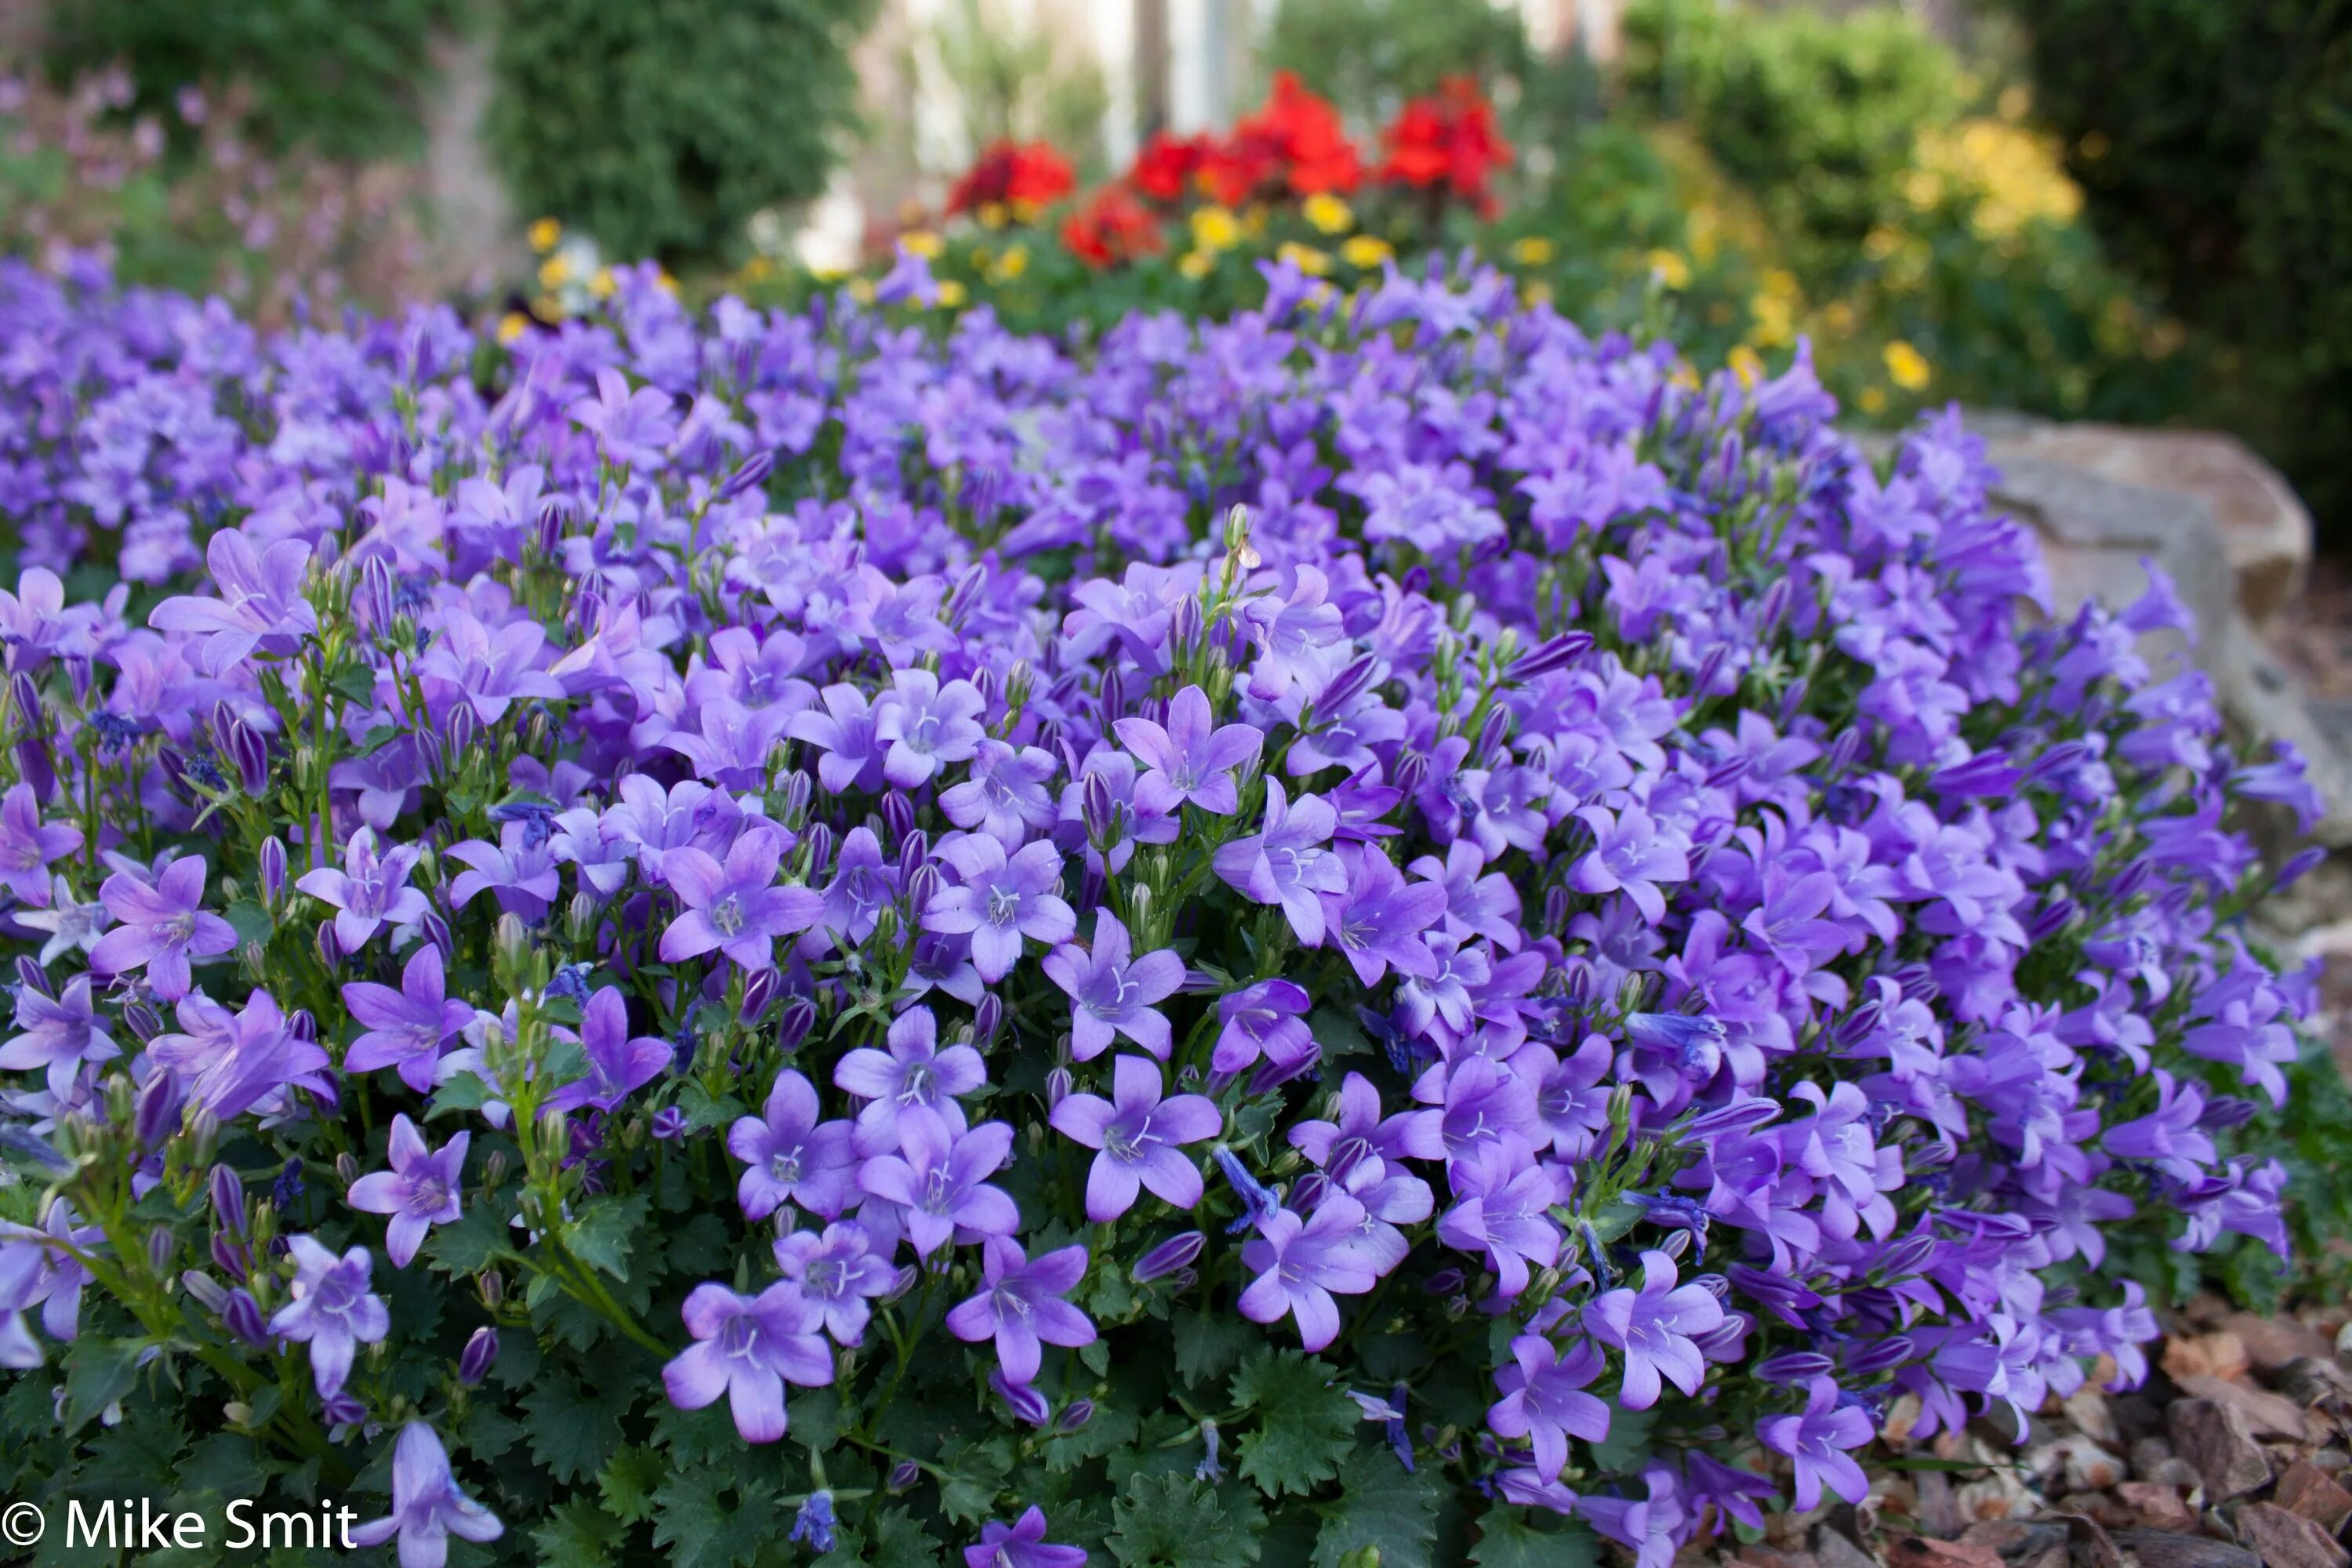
(1111,229)
(1023,176)
(1448,141)
(1165,168)
(1295,145)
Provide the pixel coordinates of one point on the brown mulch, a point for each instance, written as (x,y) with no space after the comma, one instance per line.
(2236,1454)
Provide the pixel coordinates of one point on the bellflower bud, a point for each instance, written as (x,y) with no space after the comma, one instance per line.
(898,818)
(1178,1251)
(227,1194)
(749,475)
(158,1113)
(819,844)
(759,995)
(208,1291)
(250,752)
(242,1317)
(481,1352)
(1028,1405)
(33,977)
(1058,1085)
(273,867)
(1882,1357)
(792,1025)
(987,1017)
(1075,1415)
(903,1475)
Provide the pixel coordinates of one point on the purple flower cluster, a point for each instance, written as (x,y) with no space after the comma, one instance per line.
(1039,833)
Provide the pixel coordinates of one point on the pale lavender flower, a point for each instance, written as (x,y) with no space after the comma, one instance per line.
(261,604)
(59,1034)
(406,1028)
(331,1311)
(1005,795)
(427,1506)
(1021,1544)
(370,892)
(1302,1264)
(1110,995)
(419,1191)
(29,847)
(1289,862)
(1000,900)
(747,1348)
(1138,1137)
(790,1156)
(839,1272)
(524,875)
(1376,922)
(922,725)
(1543,1399)
(941,1182)
(163,926)
(912,1078)
(632,429)
(1191,759)
(737,908)
(1263,1020)
(1021,1305)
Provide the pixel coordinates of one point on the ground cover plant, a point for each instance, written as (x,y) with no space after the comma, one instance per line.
(830,934)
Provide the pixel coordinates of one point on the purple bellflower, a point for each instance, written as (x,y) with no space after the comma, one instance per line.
(331,1311)
(370,892)
(1021,1305)
(737,908)
(1654,1327)
(747,1348)
(163,926)
(1110,995)
(790,1156)
(406,1028)
(427,1506)
(419,1191)
(1136,1136)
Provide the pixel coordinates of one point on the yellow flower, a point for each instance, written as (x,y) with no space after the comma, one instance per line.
(1306,258)
(1366,250)
(545,234)
(1684,376)
(1780,283)
(1215,229)
(547,308)
(1907,367)
(1532,250)
(1881,243)
(1872,400)
(952,293)
(1669,268)
(1196,264)
(1772,324)
(862,290)
(1011,264)
(665,282)
(1329,214)
(992,215)
(1534,294)
(555,272)
(2015,101)
(922,242)
(1841,317)
(1746,364)
(601,285)
(512,325)
(758,269)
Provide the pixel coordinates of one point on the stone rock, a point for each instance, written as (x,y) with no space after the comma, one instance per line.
(2163,1549)
(2306,1488)
(2155,1507)
(2221,1355)
(2288,1539)
(2017,1540)
(2344,1347)
(2267,1415)
(2147,1455)
(1759,1555)
(2264,530)
(1926,1551)
(1939,1505)
(2308,1380)
(2212,1436)
(2270,1343)
(2087,1407)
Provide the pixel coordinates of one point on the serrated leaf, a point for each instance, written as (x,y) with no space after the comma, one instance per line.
(1507,1540)
(1175,1522)
(98,1372)
(578,1534)
(627,1482)
(1383,1506)
(975,1474)
(698,1247)
(572,1432)
(463,1092)
(606,1231)
(1209,1345)
(692,1518)
(1337,1034)
(1305,1426)
(250,921)
(1628,1442)
(900,1542)
(705,1111)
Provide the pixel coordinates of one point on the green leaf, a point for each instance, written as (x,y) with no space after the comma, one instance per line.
(1209,1345)
(1628,1442)
(627,1483)
(463,1092)
(1505,1539)
(1175,1522)
(692,1518)
(704,1110)
(606,1230)
(250,921)
(698,1249)
(572,1432)
(975,1474)
(1305,1425)
(578,1534)
(98,1372)
(1336,1033)
(1381,1506)
(899,1542)
(466,1248)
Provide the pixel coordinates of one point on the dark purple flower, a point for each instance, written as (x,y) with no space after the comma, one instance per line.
(163,925)
(1110,995)
(1138,1137)
(419,1191)
(747,1348)
(1021,1305)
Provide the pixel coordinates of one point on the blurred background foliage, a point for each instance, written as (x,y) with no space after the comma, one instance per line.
(2129,209)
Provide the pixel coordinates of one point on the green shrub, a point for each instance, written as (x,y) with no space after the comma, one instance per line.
(661,129)
(343,79)
(1817,117)
(1369,55)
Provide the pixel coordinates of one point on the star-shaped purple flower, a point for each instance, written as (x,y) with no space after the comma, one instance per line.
(406,1028)
(427,1506)
(1000,900)
(1021,1305)
(370,892)
(941,1183)
(913,1078)
(1110,995)
(1189,760)
(1136,1136)
(736,908)
(419,1191)
(790,1156)
(618,1064)
(1654,1326)
(161,925)
(332,1311)
(1543,1399)
(747,1348)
